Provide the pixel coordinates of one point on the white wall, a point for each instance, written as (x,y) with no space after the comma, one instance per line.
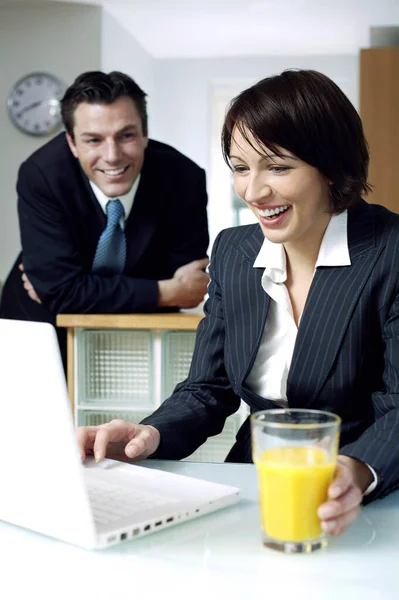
(62,39)
(121,52)
(183,92)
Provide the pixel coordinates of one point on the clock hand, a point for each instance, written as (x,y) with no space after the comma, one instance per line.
(30,107)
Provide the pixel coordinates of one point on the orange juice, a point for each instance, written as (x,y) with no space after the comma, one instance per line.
(293,482)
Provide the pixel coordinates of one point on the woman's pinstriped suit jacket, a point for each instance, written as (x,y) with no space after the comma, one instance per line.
(346,356)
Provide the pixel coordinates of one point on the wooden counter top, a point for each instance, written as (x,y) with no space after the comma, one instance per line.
(179,321)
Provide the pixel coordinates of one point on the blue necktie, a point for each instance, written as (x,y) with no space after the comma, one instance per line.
(110,256)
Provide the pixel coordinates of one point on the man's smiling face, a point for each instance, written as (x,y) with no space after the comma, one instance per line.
(109,144)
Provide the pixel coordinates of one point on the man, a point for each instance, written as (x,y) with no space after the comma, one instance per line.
(66,191)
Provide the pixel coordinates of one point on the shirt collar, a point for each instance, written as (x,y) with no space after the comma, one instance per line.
(127,199)
(334,251)
(272,258)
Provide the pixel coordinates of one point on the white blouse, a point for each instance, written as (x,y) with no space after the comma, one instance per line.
(268,376)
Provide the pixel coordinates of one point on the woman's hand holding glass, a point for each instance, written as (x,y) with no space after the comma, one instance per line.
(345,494)
(118,439)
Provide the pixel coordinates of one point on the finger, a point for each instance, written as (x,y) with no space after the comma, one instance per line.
(114,431)
(201,263)
(199,280)
(141,446)
(341,483)
(337,526)
(85,437)
(33,296)
(335,508)
(101,442)
(137,447)
(21,267)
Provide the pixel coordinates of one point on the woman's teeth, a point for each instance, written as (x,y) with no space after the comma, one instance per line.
(273,211)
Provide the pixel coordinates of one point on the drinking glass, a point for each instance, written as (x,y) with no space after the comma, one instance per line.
(295,453)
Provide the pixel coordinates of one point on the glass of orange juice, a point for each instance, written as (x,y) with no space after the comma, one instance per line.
(295,453)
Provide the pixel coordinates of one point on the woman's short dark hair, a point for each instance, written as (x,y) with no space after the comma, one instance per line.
(308,114)
(96,87)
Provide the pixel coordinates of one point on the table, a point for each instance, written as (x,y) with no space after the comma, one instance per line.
(215,557)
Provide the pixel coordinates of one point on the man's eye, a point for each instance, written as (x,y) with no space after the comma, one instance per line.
(128,136)
(93,141)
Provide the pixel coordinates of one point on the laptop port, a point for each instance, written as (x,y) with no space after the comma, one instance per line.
(111,538)
(170,520)
(147,527)
(158,523)
(123,536)
(136,531)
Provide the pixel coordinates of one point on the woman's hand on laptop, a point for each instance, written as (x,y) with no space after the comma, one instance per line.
(118,439)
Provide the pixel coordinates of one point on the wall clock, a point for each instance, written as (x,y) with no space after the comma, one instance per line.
(34,103)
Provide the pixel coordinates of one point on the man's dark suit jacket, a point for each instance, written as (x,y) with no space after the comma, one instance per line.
(61,221)
(346,356)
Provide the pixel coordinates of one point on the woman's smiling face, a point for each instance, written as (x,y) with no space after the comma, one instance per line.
(289,197)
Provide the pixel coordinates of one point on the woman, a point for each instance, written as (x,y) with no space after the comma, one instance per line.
(302,307)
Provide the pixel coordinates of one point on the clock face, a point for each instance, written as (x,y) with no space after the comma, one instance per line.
(34,103)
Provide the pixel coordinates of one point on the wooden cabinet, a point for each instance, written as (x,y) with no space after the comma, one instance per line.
(379,110)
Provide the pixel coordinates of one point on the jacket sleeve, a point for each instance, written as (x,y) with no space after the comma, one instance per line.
(378,446)
(53,264)
(199,405)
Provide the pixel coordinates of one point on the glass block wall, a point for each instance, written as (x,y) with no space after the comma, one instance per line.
(126,374)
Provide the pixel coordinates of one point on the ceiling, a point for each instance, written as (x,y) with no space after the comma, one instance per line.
(205,28)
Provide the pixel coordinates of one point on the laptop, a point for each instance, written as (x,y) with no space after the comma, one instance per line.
(44,485)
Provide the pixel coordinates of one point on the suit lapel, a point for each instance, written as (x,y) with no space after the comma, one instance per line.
(91,213)
(256,321)
(145,215)
(253,301)
(92,205)
(332,298)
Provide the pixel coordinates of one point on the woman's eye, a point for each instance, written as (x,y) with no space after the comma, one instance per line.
(239,169)
(278,169)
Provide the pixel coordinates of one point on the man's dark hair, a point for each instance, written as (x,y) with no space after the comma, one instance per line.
(96,87)
(306,113)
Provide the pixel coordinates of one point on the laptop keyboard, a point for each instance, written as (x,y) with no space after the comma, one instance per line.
(112,502)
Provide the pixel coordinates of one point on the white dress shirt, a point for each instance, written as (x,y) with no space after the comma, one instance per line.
(268,376)
(127,200)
